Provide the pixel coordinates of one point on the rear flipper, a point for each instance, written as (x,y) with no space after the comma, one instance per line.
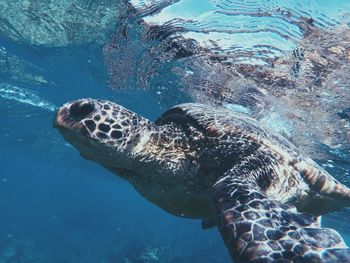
(326,193)
(258,229)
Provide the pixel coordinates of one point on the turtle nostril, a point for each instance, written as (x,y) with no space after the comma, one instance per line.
(81,109)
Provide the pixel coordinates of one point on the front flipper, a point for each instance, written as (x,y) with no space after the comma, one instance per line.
(258,229)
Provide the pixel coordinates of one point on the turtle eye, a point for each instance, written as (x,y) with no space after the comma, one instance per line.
(81,109)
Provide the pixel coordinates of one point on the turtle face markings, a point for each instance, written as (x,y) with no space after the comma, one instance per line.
(100,126)
(91,125)
(109,126)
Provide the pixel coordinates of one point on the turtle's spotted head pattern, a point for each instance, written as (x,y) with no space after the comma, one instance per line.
(156,158)
(100,130)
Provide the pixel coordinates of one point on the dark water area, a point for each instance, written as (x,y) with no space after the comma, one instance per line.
(57,207)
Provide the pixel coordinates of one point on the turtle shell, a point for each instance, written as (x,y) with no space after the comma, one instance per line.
(215,121)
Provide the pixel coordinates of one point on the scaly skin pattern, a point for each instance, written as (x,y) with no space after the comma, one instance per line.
(205,162)
(256,228)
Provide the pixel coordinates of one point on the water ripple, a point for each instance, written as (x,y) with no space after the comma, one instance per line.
(278,59)
(253,32)
(58,23)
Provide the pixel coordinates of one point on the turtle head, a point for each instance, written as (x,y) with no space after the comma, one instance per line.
(160,159)
(102,131)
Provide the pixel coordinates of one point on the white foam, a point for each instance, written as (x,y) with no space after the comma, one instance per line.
(24,96)
(237,108)
(276,122)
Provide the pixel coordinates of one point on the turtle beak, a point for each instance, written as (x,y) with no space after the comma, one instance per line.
(71,114)
(61,117)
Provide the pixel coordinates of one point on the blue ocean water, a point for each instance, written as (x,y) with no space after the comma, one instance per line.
(58,207)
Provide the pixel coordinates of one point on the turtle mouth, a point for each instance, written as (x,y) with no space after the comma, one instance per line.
(70,115)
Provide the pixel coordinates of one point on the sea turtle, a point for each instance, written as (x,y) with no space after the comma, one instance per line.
(207,162)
